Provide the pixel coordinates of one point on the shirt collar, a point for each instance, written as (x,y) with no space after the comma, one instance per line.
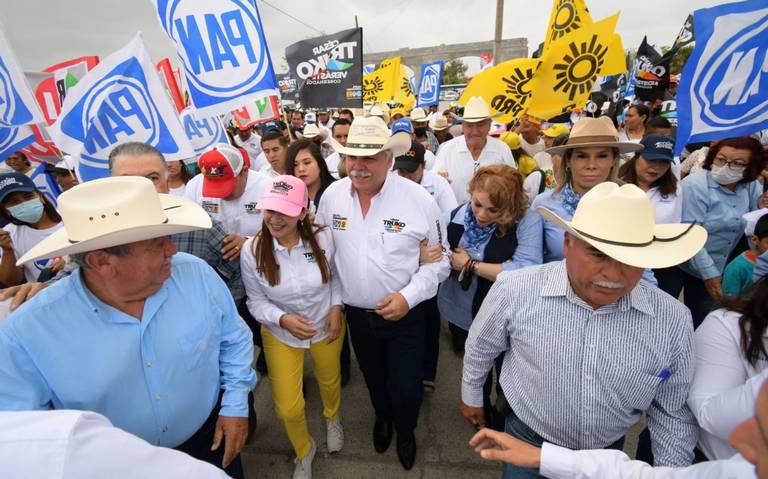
(557,284)
(279,247)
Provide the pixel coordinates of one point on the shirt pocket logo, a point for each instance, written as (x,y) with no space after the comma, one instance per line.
(210,207)
(393,225)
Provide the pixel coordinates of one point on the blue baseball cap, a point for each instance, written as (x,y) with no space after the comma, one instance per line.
(658,147)
(273,125)
(403,124)
(13,182)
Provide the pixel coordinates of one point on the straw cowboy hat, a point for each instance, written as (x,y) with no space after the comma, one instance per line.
(370,135)
(312,130)
(620,222)
(439,123)
(594,132)
(475,111)
(114,211)
(418,115)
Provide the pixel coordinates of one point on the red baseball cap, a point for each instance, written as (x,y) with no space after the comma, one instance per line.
(220,166)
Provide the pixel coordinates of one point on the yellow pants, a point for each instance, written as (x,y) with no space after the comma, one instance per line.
(286,373)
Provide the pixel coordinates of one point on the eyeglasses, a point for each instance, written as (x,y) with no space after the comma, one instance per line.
(734,165)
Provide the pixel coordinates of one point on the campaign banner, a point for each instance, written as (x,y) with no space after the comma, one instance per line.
(171,83)
(381,84)
(652,75)
(429,84)
(42,149)
(17,105)
(51,89)
(120,100)
(203,132)
(506,87)
(222,50)
(289,87)
(329,69)
(263,109)
(723,89)
(45,183)
(14,138)
(684,37)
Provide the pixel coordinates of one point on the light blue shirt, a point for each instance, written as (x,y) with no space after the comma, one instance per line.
(158,378)
(454,303)
(719,211)
(553,236)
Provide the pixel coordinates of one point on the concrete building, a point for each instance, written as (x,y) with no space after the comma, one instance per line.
(414,57)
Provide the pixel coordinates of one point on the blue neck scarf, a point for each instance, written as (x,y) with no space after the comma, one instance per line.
(474,234)
(570,199)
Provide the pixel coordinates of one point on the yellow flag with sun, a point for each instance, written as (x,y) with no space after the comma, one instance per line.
(568,71)
(404,93)
(381,84)
(505,87)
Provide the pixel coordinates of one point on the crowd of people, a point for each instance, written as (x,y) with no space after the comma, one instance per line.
(586,274)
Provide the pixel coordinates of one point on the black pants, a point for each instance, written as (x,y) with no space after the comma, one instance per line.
(391,357)
(199,445)
(431,338)
(255,326)
(695,296)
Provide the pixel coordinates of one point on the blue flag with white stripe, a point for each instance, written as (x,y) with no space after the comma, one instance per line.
(429,84)
(13,139)
(723,89)
(120,100)
(223,51)
(17,104)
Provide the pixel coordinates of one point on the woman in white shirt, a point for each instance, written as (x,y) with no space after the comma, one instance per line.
(651,170)
(731,364)
(31,218)
(178,176)
(293,293)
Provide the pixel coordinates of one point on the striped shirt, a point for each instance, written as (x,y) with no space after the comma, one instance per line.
(581,377)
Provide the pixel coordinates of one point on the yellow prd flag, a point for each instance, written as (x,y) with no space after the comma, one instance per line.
(567,16)
(615,61)
(505,87)
(569,69)
(404,93)
(380,85)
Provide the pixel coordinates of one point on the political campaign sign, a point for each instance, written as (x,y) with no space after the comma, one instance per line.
(263,109)
(222,50)
(684,38)
(203,131)
(429,84)
(42,149)
(289,87)
(723,89)
(14,138)
(170,81)
(328,69)
(120,100)
(652,75)
(50,91)
(17,105)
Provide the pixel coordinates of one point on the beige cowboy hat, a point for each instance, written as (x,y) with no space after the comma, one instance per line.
(311,130)
(108,212)
(370,135)
(476,110)
(620,222)
(594,132)
(439,123)
(418,115)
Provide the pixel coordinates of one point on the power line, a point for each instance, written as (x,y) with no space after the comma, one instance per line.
(294,18)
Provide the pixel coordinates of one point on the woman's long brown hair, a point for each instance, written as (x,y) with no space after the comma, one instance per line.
(264,253)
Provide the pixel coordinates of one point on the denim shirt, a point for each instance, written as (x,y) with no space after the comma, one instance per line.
(719,211)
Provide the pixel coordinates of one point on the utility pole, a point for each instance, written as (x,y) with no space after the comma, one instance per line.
(497,36)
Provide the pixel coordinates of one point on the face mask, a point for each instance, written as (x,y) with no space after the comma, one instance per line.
(726,175)
(28,212)
(420,131)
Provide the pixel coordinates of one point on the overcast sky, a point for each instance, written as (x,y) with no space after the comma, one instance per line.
(44,32)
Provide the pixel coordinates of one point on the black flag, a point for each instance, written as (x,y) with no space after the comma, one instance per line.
(652,78)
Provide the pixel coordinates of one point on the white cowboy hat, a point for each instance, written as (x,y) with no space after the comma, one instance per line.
(620,222)
(594,132)
(312,130)
(108,212)
(475,111)
(370,135)
(439,123)
(418,115)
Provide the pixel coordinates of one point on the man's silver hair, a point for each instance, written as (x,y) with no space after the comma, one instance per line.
(79,258)
(135,148)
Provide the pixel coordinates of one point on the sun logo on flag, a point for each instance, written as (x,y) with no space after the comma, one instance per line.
(566,20)
(405,87)
(371,87)
(518,84)
(579,68)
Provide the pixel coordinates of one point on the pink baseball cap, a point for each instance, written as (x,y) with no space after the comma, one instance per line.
(287,195)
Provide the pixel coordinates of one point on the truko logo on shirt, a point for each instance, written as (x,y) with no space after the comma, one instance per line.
(393,225)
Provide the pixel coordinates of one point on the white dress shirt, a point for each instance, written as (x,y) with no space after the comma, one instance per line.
(441,191)
(669,208)
(429,159)
(454,157)
(66,444)
(379,254)
(560,463)
(333,161)
(261,162)
(252,146)
(300,291)
(239,215)
(725,384)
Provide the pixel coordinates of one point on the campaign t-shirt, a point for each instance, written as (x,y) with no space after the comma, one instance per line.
(239,215)
(24,238)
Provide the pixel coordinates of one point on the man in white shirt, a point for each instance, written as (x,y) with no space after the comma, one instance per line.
(251,143)
(324,119)
(459,158)
(412,165)
(378,221)
(339,132)
(68,444)
(274,145)
(750,438)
